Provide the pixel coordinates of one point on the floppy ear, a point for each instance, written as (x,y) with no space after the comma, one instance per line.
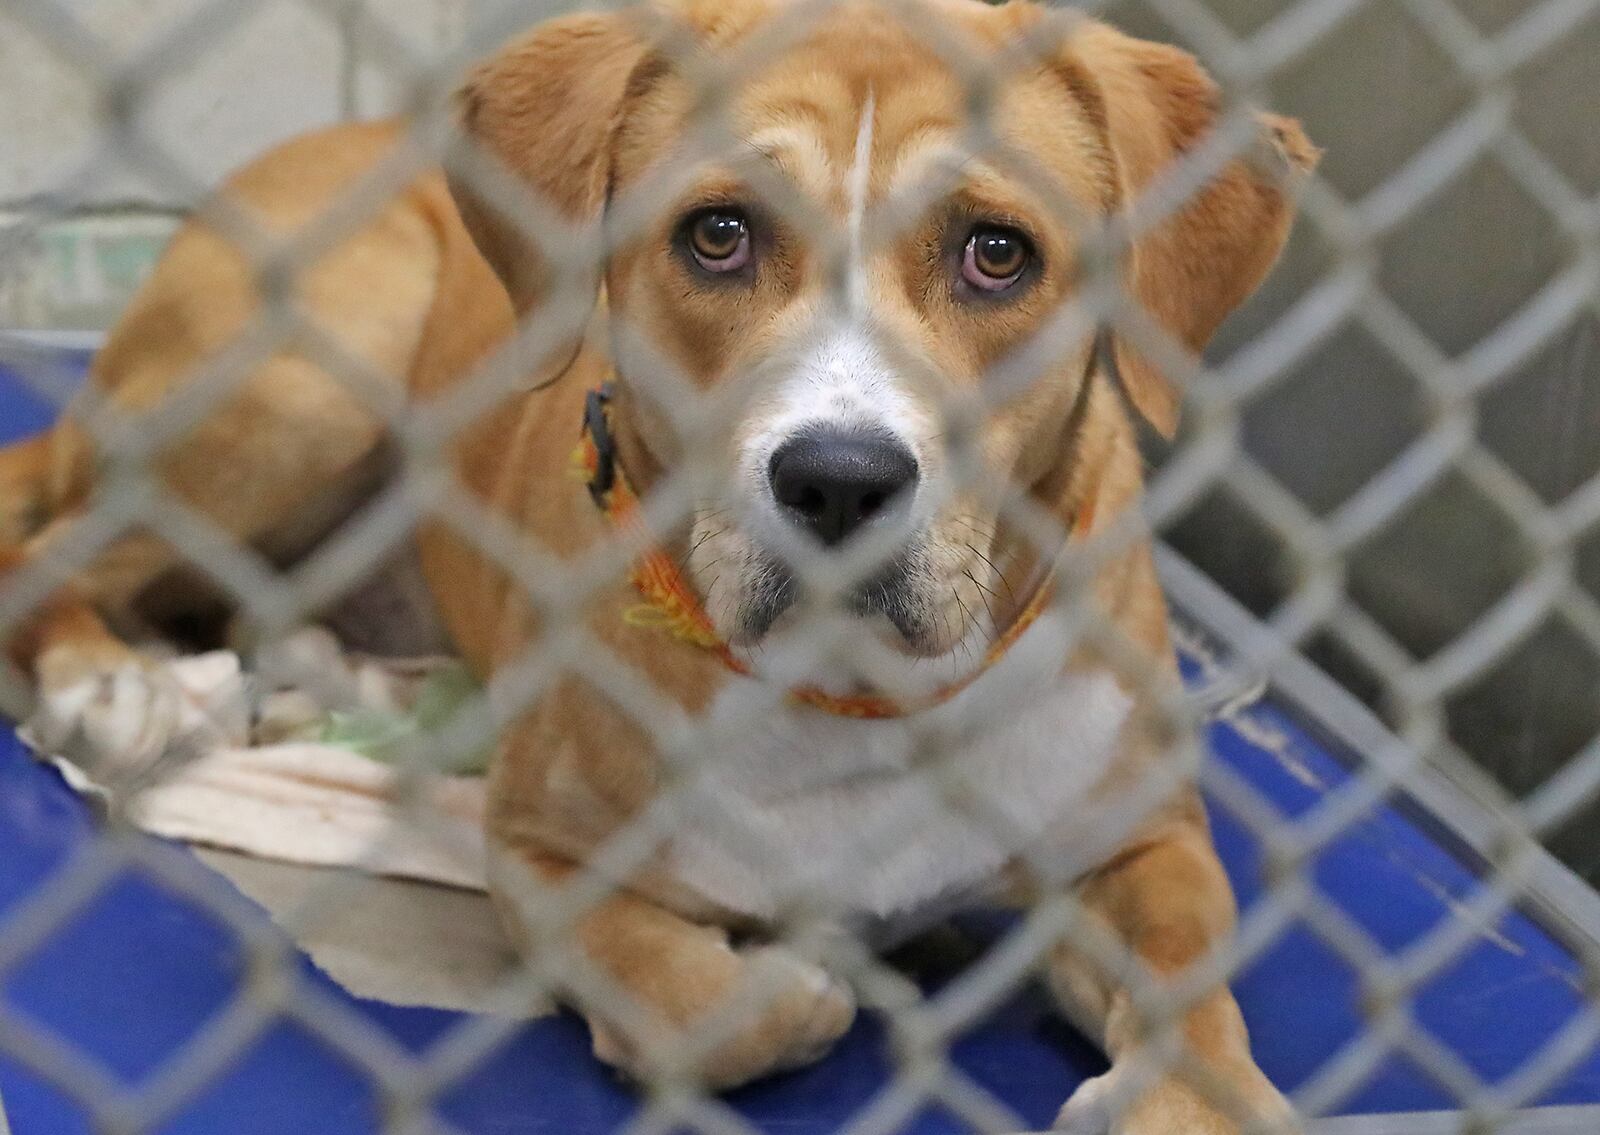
(545,108)
(1195,266)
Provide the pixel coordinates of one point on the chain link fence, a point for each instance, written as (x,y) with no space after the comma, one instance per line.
(1333,530)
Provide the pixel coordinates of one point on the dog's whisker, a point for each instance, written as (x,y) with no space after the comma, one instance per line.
(966,621)
(982,532)
(698,544)
(998,574)
(983,593)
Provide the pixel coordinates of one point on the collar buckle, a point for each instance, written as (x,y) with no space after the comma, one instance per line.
(597,425)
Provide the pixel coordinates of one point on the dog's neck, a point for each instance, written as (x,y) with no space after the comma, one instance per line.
(634,458)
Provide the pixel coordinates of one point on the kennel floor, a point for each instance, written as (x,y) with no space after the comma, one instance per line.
(138,978)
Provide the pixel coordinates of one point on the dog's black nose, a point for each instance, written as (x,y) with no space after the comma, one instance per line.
(832,483)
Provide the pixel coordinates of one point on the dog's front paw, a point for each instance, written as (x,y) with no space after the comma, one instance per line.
(771,1010)
(1171,1107)
(117,712)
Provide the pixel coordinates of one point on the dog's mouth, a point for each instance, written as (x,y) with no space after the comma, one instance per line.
(893,595)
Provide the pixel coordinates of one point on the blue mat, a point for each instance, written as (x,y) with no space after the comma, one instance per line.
(136,974)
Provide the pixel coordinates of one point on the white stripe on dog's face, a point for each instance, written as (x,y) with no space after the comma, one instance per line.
(838,379)
(860,172)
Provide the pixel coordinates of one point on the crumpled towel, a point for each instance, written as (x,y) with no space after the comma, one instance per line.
(322,806)
(313,803)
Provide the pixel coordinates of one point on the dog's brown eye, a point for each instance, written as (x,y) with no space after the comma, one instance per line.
(995,257)
(719,240)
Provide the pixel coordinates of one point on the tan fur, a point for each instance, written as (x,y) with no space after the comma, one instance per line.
(24,472)
(582,111)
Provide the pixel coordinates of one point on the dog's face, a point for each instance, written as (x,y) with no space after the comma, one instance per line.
(900,273)
(849,274)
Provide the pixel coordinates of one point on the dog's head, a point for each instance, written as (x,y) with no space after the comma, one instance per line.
(818,240)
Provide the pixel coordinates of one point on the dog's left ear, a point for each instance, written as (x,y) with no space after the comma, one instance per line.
(1190,269)
(544,108)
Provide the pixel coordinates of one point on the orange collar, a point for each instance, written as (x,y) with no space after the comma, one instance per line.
(671,605)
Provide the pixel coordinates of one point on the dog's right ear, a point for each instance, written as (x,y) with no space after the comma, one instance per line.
(544,108)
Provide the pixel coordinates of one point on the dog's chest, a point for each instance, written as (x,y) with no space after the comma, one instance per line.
(892,821)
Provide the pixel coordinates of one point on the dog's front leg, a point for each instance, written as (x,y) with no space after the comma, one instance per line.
(666,996)
(1169,903)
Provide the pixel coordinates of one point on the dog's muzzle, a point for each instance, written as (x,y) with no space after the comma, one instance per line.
(831,486)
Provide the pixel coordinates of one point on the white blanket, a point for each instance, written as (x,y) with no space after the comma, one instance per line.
(319,805)
(311,803)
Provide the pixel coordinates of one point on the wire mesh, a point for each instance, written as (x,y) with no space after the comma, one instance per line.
(805,923)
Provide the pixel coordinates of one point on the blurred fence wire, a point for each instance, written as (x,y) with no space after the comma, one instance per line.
(1412,753)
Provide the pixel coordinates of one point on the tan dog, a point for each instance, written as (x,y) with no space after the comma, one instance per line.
(836,362)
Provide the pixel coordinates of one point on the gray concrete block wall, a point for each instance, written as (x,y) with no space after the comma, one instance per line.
(1374,93)
(80,219)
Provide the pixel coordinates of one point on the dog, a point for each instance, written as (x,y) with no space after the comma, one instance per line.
(955,735)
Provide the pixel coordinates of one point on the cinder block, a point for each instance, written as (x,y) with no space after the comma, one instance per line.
(429,30)
(440,36)
(272,72)
(46,113)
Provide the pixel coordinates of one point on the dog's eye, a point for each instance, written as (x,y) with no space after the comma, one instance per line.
(719,240)
(995,257)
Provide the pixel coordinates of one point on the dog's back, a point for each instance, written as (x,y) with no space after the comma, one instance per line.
(251,375)
(249,401)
